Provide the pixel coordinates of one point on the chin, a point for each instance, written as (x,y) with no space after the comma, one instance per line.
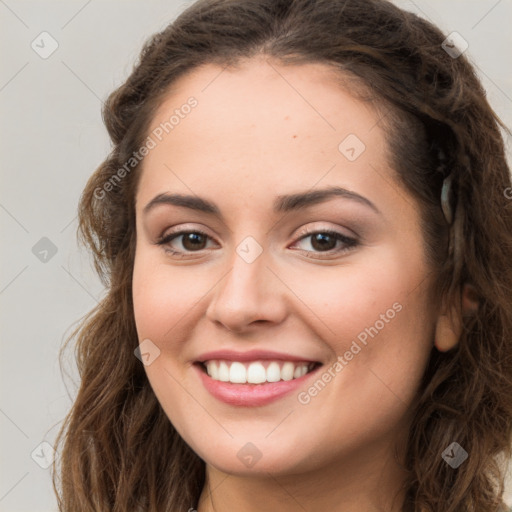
(255,458)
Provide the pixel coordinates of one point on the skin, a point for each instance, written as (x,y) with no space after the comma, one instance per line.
(261,130)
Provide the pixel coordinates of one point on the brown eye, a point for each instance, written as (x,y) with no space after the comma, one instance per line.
(191,241)
(325,241)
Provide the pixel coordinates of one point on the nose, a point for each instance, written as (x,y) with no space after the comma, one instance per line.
(248,294)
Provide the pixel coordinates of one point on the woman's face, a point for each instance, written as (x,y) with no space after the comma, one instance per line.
(266,293)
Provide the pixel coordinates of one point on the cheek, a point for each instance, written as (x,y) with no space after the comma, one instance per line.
(162,295)
(376,316)
(345,301)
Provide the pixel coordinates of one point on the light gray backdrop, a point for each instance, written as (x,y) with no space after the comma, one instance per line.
(59,61)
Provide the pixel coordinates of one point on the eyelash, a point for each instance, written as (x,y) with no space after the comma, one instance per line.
(351,243)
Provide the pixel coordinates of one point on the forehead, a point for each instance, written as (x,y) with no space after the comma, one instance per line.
(262,123)
(264,91)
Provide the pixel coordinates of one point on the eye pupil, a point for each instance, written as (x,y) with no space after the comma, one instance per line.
(193,239)
(320,238)
(320,241)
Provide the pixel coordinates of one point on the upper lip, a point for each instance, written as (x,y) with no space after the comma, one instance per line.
(251,355)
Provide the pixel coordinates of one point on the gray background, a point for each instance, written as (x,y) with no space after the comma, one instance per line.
(52,138)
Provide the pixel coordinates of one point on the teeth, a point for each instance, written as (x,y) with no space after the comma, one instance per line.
(287,371)
(237,373)
(273,372)
(256,372)
(223,372)
(298,372)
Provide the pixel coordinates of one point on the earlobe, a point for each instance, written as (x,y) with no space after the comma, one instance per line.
(448,331)
(449,326)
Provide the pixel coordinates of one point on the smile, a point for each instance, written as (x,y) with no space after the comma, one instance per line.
(256,372)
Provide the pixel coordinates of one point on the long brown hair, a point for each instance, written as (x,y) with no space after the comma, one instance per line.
(119,450)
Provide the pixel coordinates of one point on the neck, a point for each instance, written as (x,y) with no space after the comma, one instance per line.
(368,481)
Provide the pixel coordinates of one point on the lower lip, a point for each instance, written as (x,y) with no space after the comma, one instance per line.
(251,395)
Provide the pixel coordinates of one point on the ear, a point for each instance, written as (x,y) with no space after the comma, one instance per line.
(449,322)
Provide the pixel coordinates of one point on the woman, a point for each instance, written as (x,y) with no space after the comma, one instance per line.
(342,340)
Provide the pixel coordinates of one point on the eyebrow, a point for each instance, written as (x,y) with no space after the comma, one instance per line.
(284,203)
